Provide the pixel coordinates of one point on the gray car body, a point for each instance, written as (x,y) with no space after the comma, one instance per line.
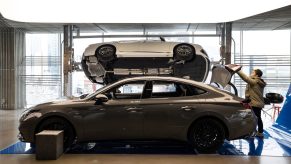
(144,57)
(151,118)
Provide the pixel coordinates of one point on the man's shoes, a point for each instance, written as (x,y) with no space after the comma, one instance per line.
(260,135)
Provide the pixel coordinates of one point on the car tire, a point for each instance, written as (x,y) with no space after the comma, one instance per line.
(184,52)
(106,53)
(207,135)
(56,123)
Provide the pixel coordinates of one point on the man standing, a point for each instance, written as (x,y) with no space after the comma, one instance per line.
(254,92)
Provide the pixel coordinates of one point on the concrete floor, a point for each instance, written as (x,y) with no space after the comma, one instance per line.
(8,136)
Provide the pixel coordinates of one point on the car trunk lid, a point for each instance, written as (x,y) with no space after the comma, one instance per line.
(222,74)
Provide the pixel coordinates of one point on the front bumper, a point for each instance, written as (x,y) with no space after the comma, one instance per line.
(27,128)
(26,133)
(20,137)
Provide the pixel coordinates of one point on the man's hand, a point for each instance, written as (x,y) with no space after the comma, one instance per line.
(233,68)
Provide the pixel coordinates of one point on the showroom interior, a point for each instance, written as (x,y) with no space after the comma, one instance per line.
(47,59)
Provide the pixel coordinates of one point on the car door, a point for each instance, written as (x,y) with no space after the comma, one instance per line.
(169,110)
(118,118)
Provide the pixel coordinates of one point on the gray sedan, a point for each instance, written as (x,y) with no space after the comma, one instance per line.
(145,108)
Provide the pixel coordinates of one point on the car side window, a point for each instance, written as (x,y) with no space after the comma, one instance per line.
(131,90)
(163,89)
(190,90)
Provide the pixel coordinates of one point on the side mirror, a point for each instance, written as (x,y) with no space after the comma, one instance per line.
(83,96)
(101,98)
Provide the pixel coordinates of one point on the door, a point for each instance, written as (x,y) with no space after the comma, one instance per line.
(118,118)
(170,109)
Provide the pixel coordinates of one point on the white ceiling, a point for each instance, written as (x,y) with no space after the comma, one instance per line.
(272,20)
(135,11)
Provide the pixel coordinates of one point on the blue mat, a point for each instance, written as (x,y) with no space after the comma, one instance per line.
(277,142)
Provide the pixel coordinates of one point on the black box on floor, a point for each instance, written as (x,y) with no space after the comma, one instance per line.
(49,144)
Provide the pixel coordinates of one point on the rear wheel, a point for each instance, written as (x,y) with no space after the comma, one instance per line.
(184,52)
(56,123)
(207,135)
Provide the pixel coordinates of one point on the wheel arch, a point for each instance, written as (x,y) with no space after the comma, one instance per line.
(46,117)
(179,44)
(208,117)
(103,45)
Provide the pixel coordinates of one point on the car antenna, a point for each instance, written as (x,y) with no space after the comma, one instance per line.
(162,39)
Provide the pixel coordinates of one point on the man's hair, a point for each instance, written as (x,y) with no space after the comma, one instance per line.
(259,72)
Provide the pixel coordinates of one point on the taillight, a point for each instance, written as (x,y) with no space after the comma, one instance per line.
(246,105)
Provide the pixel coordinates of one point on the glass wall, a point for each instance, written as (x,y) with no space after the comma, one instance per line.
(265,50)
(43,68)
(80,83)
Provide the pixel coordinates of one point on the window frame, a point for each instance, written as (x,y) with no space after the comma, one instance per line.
(177,83)
(108,91)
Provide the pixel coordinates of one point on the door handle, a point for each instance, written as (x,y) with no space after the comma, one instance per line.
(188,108)
(133,109)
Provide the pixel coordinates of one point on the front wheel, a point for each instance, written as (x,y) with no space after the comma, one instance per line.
(56,123)
(207,135)
(106,53)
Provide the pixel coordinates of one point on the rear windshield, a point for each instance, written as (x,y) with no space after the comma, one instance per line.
(214,86)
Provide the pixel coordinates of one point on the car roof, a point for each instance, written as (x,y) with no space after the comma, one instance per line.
(175,79)
(166,78)
(163,78)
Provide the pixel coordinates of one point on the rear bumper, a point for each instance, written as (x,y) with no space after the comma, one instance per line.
(243,128)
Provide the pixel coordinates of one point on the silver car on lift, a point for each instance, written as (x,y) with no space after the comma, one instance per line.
(109,62)
(146,108)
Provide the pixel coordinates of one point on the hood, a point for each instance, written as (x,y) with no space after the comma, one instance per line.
(57,103)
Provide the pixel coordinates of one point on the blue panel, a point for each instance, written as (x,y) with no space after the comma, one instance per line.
(18,148)
(283,119)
